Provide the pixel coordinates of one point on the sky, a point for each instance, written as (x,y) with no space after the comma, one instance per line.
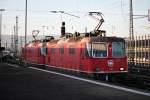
(115,14)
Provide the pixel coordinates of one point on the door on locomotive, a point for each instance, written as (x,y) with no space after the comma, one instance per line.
(43,53)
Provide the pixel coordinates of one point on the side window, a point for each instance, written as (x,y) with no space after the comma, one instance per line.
(88,50)
(118,49)
(43,51)
(53,50)
(71,50)
(61,49)
(99,50)
(49,60)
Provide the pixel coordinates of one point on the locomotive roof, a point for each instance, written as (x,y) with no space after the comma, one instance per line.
(106,39)
(89,39)
(79,39)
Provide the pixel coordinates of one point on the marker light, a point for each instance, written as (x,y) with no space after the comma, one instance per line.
(121,69)
(110,63)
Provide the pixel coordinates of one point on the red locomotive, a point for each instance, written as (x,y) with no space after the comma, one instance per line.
(31,53)
(89,52)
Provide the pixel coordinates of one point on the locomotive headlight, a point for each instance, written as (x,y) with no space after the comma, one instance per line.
(110,63)
(121,69)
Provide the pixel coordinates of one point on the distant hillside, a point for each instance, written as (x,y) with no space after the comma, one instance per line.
(7,40)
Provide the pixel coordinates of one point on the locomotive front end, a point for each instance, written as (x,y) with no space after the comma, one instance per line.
(107,55)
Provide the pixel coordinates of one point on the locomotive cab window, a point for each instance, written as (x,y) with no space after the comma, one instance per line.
(99,50)
(118,49)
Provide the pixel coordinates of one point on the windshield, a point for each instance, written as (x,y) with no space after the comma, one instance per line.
(97,50)
(118,49)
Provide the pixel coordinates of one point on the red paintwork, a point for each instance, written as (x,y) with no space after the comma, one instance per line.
(78,61)
(33,53)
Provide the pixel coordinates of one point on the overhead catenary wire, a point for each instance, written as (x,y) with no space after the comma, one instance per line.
(65,12)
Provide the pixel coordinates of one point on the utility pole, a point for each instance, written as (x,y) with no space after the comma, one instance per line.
(6,46)
(16,37)
(12,41)
(1,10)
(131,30)
(26,22)
(131,34)
(26,14)
(21,42)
